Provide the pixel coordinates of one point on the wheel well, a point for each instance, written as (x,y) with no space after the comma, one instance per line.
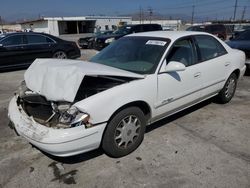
(140,104)
(237,72)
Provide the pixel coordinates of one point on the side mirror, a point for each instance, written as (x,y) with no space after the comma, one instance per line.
(173,66)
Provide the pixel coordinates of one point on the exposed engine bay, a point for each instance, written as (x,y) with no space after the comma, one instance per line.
(62,114)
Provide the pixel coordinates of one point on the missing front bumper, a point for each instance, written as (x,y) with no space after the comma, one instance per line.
(59,142)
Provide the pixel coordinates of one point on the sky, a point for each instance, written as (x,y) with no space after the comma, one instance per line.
(205,9)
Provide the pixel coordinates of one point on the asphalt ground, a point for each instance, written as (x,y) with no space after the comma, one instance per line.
(207,145)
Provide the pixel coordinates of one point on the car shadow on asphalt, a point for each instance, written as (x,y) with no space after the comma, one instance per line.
(76,158)
(98,152)
(7,70)
(247,73)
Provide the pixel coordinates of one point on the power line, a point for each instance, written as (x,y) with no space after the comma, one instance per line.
(235,8)
(150,10)
(243,13)
(192,20)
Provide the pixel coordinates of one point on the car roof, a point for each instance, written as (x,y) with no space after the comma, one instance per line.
(172,35)
(133,25)
(30,33)
(24,33)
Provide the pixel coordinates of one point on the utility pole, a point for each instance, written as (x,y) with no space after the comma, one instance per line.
(140,15)
(192,20)
(150,14)
(235,8)
(243,13)
(1,23)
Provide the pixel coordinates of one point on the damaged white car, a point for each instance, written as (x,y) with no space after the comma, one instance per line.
(67,107)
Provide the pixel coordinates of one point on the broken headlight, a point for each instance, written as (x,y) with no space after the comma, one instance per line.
(74,117)
(22,89)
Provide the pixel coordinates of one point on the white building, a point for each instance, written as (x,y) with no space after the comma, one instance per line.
(166,24)
(58,26)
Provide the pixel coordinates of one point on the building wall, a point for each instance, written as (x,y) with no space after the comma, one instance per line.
(110,23)
(53,27)
(10,27)
(36,26)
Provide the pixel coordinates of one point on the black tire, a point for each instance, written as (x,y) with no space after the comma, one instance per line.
(111,140)
(227,92)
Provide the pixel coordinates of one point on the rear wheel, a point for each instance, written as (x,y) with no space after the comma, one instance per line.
(227,93)
(124,132)
(60,55)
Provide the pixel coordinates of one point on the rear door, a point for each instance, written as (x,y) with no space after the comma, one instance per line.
(215,63)
(13,51)
(39,46)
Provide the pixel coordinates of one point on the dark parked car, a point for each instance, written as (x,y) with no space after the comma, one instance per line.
(104,40)
(242,42)
(87,42)
(218,30)
(21,49)
(240,29)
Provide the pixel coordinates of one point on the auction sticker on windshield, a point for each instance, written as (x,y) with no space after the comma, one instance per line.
(156,42)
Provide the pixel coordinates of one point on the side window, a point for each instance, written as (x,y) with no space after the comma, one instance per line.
(13,40)
(147,28)
(182,51)
(48,40)
(137,29)
(209,48)
(36,39)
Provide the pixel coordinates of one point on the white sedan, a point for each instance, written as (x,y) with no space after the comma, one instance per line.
(67,107)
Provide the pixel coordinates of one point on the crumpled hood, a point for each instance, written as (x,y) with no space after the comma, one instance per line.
(59,80)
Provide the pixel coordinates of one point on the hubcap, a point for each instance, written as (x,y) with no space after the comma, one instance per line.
(60,55)
(230,88)
(127,131)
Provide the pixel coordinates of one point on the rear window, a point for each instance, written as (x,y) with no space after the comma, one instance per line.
(215,28)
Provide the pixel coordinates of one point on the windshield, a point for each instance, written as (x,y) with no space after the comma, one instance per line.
(2,36)
(96,34)
(123,30)
(196,28)
(244,35)
(136,54)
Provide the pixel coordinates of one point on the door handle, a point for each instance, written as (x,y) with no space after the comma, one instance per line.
(227,64)
(198,74)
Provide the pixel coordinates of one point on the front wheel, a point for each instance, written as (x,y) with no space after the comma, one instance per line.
(124,132)
(227,92)
(60,55)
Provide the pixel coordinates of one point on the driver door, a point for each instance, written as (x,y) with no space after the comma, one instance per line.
(13,51)
(179,89)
